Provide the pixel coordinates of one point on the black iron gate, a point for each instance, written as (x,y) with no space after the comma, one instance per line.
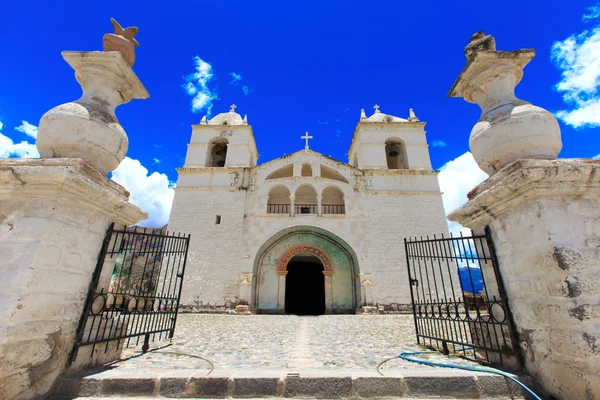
(135,289)
(458,298)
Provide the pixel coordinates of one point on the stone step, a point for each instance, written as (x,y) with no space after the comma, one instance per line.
(188,384)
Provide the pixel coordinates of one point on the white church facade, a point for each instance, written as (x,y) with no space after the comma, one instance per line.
(304,233)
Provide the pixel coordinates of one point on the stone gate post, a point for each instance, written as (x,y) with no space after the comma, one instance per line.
(54,213)
(544,216)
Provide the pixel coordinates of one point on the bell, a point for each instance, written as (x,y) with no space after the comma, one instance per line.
(393,151)
(221,163)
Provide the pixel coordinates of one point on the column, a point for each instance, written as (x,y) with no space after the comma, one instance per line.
(319,209)
(328,292)
(281,291)
(292,206)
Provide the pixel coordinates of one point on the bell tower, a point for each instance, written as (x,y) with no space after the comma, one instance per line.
(224,141)
(383,141)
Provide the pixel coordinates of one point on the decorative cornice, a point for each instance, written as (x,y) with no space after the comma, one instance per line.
(523,181)
(71,180)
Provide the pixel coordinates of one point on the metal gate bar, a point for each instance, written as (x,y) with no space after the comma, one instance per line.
(458,298)
(141,296)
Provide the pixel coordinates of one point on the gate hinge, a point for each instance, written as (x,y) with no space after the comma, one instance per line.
(414,282)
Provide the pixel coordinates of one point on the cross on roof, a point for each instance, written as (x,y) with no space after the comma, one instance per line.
(233,107)
(376,107)
(306,137)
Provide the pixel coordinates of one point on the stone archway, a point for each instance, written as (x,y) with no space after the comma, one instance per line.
(328,269)
(340,269)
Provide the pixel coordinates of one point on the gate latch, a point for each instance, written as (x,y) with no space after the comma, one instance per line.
(414,282)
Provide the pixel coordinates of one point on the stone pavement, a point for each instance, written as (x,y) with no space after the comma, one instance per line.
(333,356)
(267,342)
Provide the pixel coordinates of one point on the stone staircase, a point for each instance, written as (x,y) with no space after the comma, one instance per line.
(164,383)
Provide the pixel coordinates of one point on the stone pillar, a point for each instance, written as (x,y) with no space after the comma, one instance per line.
(319,209)
(328,292)
(292,206)
(543,215)
(281,291)
(54,214)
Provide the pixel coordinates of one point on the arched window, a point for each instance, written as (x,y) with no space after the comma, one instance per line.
(283,172)
(305,201)
(330,173)
(395,154)
(333,201)
(279,200)
(217,155)
(306,170)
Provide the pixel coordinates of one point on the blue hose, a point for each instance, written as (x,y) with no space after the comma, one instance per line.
(404,354)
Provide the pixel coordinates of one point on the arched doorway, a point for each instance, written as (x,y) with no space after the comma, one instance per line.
(340,272)
(305,286)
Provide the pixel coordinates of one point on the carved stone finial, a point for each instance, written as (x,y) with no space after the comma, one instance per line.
(233,107)
(122,41)
(362,114)
(376,107)
(509,128)
(480,42)
(411,116)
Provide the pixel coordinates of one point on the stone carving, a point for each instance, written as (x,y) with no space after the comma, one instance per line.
(122,41)
(509,128)
(88,128)
(305,249)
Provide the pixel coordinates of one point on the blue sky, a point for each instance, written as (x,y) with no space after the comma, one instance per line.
(296,67)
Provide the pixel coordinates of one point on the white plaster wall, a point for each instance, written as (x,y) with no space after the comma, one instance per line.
(214,254)
(391,218)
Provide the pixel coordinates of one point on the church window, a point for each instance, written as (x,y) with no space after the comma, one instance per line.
(333,201)
(218,153)
(395,154)
(279,200)
(330,173)
(306,170)
(218,220)
(284,172)
(305,200)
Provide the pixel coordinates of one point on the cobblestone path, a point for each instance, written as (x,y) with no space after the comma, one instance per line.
(328,342)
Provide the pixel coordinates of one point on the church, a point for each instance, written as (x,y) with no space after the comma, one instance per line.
(304,234)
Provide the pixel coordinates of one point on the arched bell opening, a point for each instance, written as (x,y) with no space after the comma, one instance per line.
(395,154)
(217,156)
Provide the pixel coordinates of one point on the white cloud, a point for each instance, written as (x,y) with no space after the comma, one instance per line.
(438,143)
(28,129)
(596,157)
(247,90)
(457,177)
(197,86)
(578,58)
(594,12)
(8,148)
(235,78)
(156,160)
(152,193)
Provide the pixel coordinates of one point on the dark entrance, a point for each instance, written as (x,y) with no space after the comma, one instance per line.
(305,286)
